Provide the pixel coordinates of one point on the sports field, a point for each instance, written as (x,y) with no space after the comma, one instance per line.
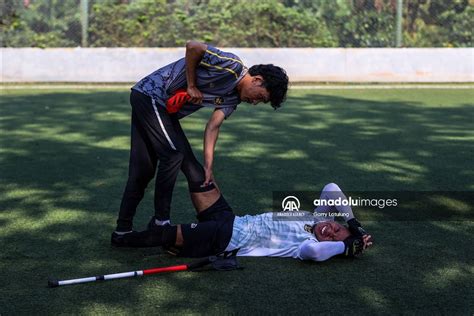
(64,158)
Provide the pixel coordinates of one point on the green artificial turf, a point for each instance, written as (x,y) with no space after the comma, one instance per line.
(64,158)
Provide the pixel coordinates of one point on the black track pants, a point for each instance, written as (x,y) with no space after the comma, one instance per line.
(157,140)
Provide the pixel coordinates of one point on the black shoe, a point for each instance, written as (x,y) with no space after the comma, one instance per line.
(118,240)
(152,224)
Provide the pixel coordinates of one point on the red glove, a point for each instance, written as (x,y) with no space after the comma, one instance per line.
(176,102)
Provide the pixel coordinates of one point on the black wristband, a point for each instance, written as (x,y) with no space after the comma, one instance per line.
(355,227)
(353,246)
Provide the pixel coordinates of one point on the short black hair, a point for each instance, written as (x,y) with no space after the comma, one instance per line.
(275,80)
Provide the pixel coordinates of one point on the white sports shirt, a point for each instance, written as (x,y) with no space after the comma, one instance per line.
(267,235)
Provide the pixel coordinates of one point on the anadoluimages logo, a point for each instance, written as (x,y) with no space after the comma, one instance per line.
(290,204)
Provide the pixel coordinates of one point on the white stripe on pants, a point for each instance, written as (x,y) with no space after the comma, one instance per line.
(162,126)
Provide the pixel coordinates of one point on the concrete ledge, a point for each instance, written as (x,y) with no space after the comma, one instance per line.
(361,65)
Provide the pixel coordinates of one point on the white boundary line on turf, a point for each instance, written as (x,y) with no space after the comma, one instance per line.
(294,87)
(379,86)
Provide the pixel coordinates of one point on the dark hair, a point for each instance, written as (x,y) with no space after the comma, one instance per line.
(275,80)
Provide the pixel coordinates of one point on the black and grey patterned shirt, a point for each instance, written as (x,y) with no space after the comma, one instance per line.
(217,76)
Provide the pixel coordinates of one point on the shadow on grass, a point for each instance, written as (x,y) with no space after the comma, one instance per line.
(64,164)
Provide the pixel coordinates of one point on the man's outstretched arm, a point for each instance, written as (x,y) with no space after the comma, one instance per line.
(210,139)
(320,251)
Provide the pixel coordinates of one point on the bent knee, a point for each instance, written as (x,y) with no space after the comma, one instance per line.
(172,158)
(177,155)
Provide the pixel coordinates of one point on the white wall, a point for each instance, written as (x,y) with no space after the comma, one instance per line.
(302,64)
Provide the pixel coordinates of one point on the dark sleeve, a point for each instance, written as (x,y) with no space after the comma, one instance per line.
(227,110)
(224,62)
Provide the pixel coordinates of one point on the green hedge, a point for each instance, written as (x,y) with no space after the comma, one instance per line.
(239,23)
